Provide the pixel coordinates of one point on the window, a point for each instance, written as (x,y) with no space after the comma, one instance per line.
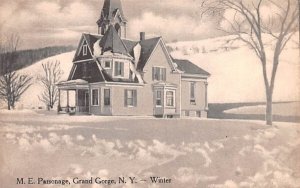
(119,69)
(159,73)
(118,29)
(192,93)
(95,97)
(158,98)
(206,103)
(130,98)
(187,113)
(198,113)
(107,64)
(170,98)
(85,49)
(106,97)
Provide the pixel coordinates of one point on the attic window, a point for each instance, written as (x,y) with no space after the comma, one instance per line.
(84,48)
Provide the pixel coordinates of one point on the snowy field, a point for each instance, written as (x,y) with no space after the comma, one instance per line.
(282,109)
(192,152)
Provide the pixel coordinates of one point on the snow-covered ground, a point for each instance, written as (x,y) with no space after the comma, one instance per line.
(193,153)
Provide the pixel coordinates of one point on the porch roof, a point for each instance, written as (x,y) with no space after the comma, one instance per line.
(73,84)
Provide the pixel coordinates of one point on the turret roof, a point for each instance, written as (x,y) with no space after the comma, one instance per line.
(111,41)
(109,10)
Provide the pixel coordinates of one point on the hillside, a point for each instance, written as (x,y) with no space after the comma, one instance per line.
(235,71)
(25,58)
(30,97)
(236,74)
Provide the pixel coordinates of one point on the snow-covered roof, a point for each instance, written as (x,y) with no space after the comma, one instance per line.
(73,82)
(189,68)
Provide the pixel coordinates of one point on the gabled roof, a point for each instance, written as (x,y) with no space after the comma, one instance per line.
(109,10)
(189,68)
(111,41)
(90,41)
(148,47)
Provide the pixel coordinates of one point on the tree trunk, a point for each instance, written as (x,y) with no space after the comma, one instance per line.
(269,114)
(8,105)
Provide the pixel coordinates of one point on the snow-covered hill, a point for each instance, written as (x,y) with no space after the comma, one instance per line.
(236,73)
(30,97)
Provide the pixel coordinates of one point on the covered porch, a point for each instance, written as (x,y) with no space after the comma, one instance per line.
(73,97)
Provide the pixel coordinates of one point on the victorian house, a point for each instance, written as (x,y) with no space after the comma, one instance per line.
(116,76)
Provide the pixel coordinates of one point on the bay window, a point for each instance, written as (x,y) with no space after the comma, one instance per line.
(158,98)
(170,99)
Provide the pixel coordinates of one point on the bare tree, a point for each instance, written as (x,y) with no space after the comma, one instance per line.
(12,84)
(251,27)
(52,75)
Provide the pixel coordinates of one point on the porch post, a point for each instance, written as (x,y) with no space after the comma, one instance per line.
(58,106)
(68,107)
(206,98)
(76,101)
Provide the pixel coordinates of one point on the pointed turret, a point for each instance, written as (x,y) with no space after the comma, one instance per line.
(112,42)
(112,14)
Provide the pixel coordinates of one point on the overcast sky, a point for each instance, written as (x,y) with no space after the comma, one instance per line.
(60,22)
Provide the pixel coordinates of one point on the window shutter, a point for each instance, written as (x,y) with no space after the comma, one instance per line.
(122,69)
(135,98)
(164,74)
(153,73)
(125,97)
(116,68)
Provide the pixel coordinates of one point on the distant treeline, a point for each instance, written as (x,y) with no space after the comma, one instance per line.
(28,57)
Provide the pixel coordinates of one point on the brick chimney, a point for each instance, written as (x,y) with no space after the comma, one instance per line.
(142,36)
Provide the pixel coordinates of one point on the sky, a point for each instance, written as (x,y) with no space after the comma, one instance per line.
(41,23)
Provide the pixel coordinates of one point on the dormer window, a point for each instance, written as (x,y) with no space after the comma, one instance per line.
(84,49)
(119,69)
(107,64)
